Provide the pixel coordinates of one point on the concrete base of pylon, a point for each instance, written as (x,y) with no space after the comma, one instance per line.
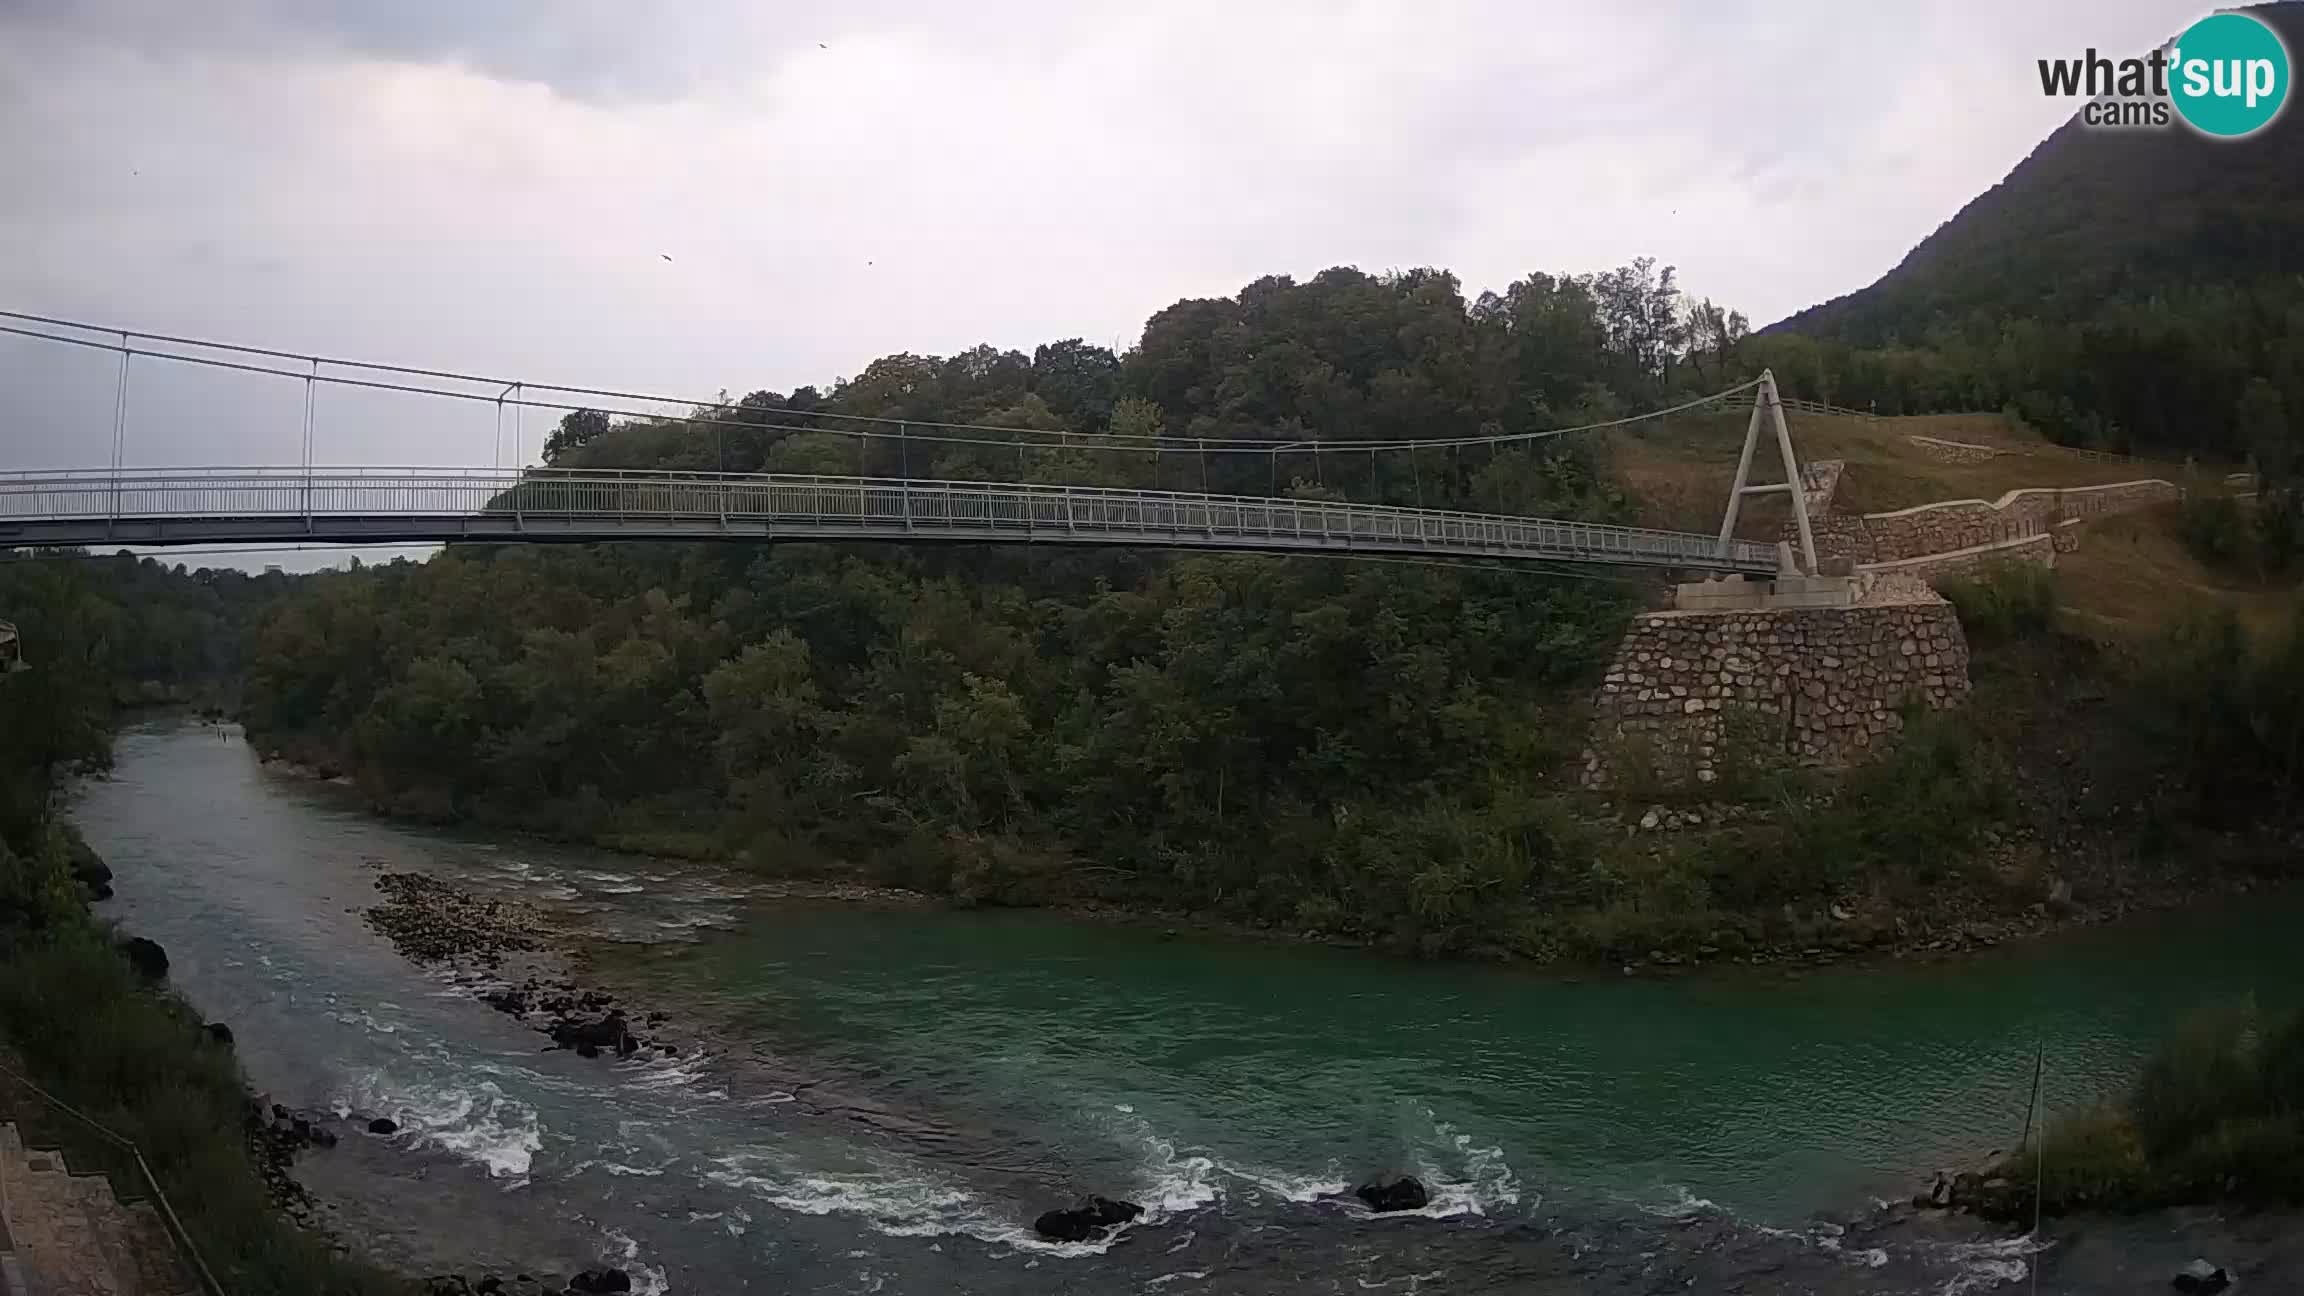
(1741,594)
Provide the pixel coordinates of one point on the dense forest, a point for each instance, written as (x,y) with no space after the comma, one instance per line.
(1381,750)
(1269,738)
(2120,289)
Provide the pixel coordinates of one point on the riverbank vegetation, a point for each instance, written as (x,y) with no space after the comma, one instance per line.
(2215,1114)
(72,1012)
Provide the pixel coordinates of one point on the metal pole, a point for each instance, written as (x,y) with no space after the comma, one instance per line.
(1743,473)
(904,453)
(1797,490)
(2039,1160)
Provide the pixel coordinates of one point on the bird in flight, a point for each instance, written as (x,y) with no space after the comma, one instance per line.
(666,255)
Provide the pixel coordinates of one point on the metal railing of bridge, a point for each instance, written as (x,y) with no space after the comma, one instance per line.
(255,504)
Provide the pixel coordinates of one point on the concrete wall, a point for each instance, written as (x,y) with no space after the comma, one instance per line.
(1819,685)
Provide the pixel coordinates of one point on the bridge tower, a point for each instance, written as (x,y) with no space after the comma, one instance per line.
(1769,408)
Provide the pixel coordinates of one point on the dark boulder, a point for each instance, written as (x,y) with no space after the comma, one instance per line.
(1086,1221)
(2202,1277)
(1405,1193)
(607,1034)
(600,1280)
(90,870)
(383,1125)
(219,1032)
(146,956)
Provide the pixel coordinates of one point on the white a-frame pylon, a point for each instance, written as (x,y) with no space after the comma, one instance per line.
(1765,405)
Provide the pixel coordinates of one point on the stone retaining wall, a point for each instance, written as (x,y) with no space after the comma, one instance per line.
(1929,529)
(1819,685)
(2038,550)
(1955,452)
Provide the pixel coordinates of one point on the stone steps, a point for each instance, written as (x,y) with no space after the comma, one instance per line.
(74,1237)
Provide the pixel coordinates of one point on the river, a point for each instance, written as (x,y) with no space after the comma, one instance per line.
(882,1100)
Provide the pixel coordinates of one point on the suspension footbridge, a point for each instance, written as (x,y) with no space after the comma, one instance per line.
(306,503)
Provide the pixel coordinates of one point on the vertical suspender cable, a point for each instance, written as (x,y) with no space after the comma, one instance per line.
(310,382)
(119,431)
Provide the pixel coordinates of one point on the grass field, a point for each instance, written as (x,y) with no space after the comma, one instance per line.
(2130,576)
(1680,469)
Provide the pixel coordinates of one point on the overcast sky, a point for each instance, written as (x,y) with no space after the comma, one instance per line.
(496,186)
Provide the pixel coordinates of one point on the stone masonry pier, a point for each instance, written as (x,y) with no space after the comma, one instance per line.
(1821,685)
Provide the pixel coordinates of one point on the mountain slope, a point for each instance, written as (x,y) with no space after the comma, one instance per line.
(2094,215)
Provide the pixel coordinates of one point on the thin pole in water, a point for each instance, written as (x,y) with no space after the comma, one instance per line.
(2039,1158)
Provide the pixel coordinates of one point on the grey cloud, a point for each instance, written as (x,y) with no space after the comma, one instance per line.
(606,50)
(493,186)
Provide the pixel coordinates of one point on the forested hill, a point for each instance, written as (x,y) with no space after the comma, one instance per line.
(2121,286)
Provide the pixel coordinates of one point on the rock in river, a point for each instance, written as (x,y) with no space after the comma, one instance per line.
(2203,1277)
(1402,1194)
(1085,1221)
(600,1280)
(146,956)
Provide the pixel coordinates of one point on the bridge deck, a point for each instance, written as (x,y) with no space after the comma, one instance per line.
(358,506)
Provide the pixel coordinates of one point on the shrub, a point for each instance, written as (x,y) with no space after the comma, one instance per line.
(2213,529)
(2215,1112)
(2203,1076)
(2003,601)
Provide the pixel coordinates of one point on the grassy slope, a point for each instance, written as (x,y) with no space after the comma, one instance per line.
(2130,576)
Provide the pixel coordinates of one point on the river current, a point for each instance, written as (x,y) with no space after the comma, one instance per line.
(875,1100)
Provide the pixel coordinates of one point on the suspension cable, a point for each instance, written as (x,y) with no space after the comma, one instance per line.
(702,412)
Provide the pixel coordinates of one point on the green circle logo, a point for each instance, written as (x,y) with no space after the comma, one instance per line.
(2228,74)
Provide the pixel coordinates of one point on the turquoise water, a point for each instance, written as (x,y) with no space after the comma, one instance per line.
(877,1101)
(1773,1095)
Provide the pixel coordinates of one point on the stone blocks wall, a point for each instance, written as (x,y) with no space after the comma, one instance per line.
(1820,685)
(1964,524)
(1958,452)
(2037,550)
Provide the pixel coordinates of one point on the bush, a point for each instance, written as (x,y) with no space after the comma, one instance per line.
(2003,601)
(2216,1112)
(2213,529)
(2090,1159)
(2202,1077)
